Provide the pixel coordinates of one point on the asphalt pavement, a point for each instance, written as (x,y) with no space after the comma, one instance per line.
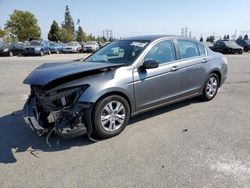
(188,144)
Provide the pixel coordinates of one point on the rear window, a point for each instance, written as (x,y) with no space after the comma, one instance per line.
(188,49)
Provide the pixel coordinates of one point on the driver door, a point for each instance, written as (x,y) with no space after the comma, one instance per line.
(160,85)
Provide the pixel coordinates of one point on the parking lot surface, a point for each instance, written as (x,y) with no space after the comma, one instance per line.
(188,144)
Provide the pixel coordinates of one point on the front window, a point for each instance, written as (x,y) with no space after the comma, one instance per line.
(71,44)
(162,52)
(121,51)
(91,43)
(247,41)
(35,43)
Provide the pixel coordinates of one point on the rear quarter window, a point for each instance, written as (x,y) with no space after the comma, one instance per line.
(202,49)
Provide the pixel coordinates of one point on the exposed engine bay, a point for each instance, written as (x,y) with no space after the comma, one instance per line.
(56,111)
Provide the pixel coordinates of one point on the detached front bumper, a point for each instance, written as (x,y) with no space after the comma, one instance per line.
(42,125)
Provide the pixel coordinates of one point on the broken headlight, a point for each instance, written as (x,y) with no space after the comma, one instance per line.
(60,99)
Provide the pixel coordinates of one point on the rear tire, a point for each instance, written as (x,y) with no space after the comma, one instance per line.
(110,116)
(211,87)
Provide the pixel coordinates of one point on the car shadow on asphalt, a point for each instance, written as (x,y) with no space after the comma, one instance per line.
(16,136)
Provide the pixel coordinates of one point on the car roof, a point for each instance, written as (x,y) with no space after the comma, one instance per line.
(155,37)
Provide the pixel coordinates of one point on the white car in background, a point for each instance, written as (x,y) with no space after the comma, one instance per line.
(72,47)
(91,46)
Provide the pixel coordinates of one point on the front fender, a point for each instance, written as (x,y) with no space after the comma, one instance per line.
(91,95)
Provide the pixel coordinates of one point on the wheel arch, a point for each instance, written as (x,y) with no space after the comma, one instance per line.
(218,73)
(119,93)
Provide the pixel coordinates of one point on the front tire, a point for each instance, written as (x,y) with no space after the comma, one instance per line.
(211,87)
(11,54)
(110,117)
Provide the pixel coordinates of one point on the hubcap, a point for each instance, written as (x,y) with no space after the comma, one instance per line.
(212,85)
(113,116)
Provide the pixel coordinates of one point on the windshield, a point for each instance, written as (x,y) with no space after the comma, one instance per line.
(35,43)
(71,44)
(121,51)
(231,44)
(247,41)
(4,45)
(91,43)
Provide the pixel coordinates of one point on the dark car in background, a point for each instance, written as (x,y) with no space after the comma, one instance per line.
(227,47)
(37,47)
(245,44)
(11,49)
(123,79)
(56,47)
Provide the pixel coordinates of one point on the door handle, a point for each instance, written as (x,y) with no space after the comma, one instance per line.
(204,60)
(174,68)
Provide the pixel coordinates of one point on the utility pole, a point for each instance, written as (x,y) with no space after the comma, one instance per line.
(186,31)
(182,31)
(235,35)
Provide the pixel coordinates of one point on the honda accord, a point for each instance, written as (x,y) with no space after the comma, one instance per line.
(98,95)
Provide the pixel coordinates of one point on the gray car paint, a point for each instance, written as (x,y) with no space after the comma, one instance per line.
(152,88)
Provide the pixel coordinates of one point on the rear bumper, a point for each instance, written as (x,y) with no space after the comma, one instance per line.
(33,119)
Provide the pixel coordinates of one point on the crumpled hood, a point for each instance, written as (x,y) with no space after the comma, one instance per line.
(50,72)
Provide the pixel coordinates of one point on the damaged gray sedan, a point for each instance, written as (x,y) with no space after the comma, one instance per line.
(98,95)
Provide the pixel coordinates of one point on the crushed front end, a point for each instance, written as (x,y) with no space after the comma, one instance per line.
(58,111)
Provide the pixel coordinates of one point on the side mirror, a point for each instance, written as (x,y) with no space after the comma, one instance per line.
(150,64)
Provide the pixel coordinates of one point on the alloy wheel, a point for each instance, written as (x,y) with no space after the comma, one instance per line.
(212,86)
(113,116)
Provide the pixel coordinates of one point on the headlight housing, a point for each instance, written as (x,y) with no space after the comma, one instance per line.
(59,99)
(6,50)
(37,48)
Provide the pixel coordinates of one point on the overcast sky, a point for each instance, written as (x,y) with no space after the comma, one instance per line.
(138,17)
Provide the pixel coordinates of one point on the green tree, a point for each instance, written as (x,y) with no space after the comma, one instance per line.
(80,35)
(23,25)
(212,38)
(246,37)
(54,33)
(208,39)
(240,37)
(201,39)
(2,33)
(68,22)
(65,36)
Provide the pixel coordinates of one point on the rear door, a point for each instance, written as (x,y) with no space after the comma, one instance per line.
(193,56)
(159,85)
